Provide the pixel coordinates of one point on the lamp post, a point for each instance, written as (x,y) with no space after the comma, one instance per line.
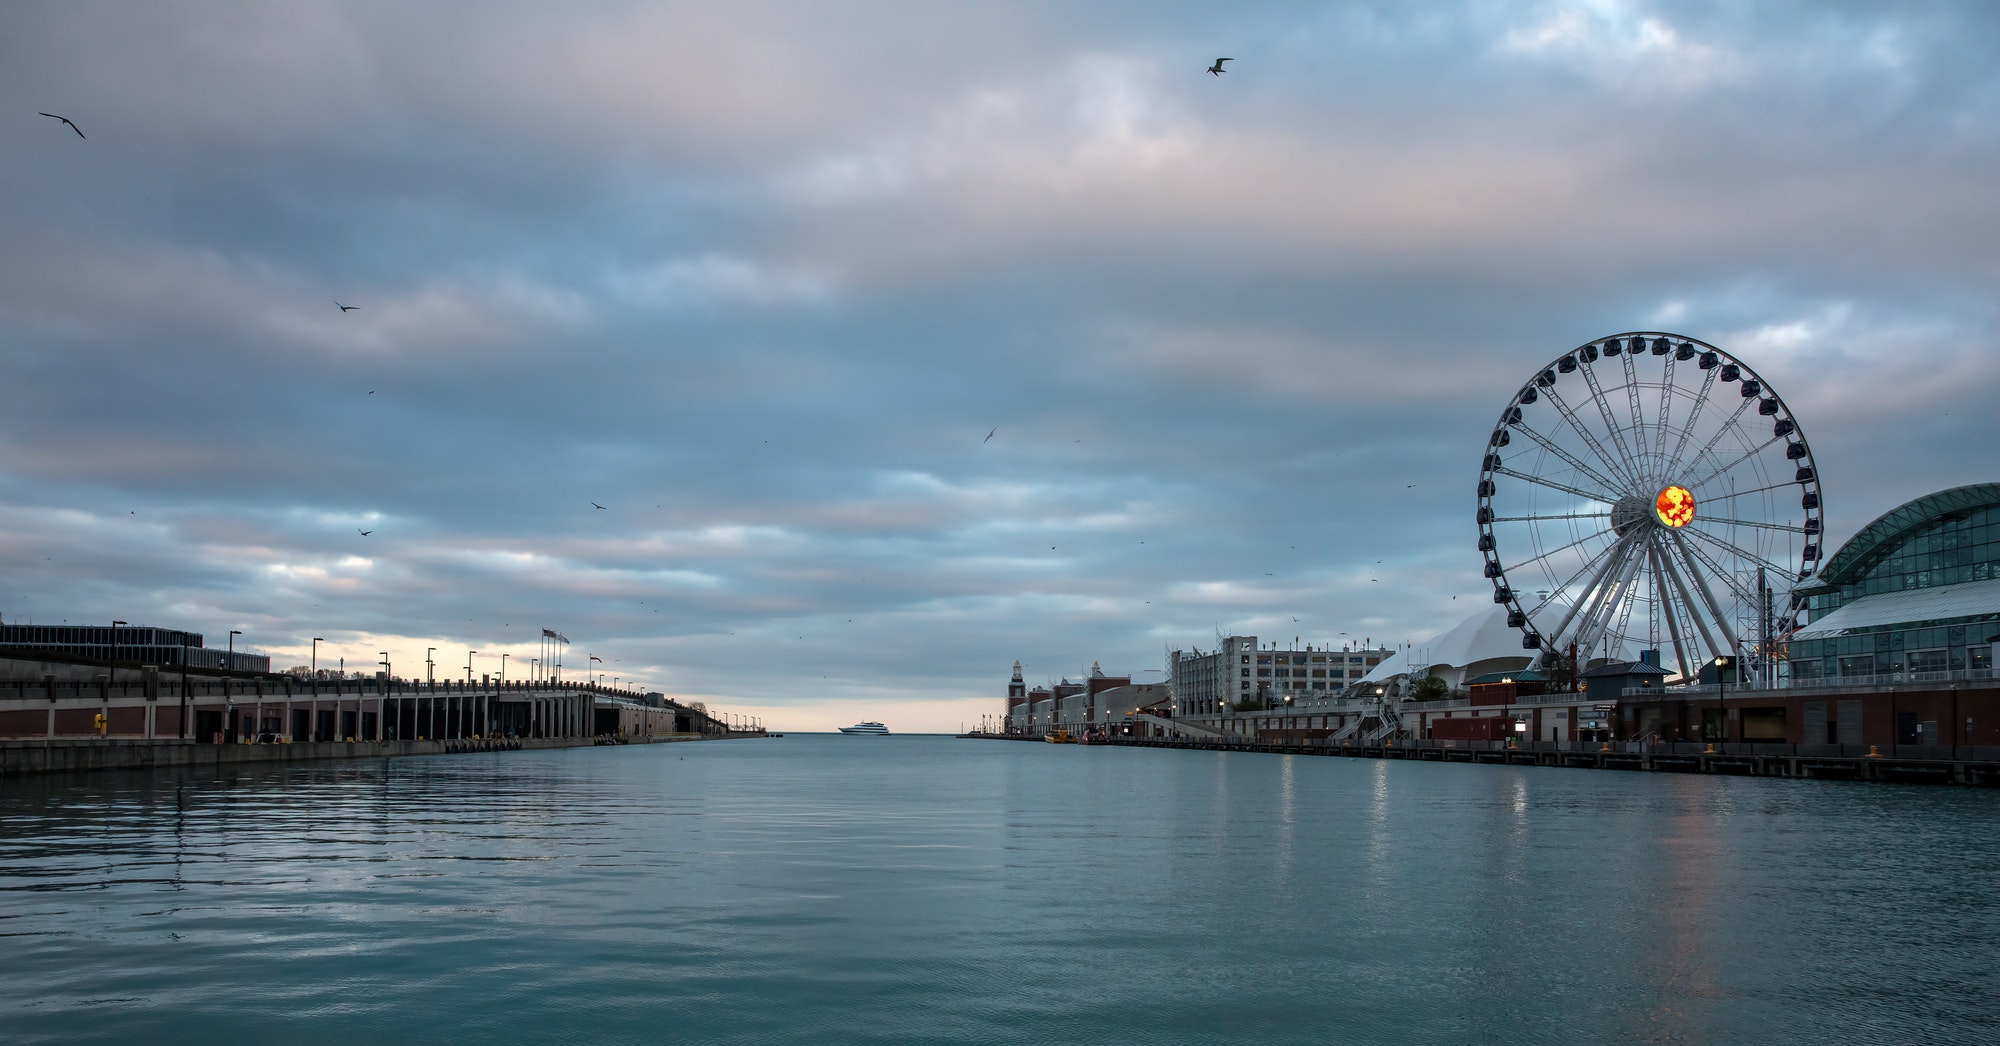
(1721,710)
(228,694)
(315,665)
(114,650)
(503,668)
(381,703)
(589,672)
(430,670)
(535,667)
(468,666)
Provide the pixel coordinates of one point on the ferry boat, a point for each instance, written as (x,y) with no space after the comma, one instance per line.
(1059,737)
(866,728)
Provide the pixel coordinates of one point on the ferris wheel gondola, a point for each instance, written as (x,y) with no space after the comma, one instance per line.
(1646,492)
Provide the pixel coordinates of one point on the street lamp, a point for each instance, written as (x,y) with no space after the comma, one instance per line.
(503,668)
(315,666)
(535,666)
(233,633)
(1721,711)
(590,671)
(429,670)
(468,666)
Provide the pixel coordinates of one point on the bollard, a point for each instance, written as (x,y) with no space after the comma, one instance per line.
(1710,750)
(1606,747)
(1873,753)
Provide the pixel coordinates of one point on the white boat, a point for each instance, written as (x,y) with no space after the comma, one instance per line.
(866,728)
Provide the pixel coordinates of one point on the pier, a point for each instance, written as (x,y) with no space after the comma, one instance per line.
(69,716)
(1925,764)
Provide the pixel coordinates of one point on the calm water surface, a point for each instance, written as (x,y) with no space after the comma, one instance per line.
(920,889)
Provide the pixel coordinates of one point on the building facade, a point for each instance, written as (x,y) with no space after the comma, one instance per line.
(135,644)
(1913,597)
(1239,672)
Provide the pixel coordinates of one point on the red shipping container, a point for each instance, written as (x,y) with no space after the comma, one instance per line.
(1484,728)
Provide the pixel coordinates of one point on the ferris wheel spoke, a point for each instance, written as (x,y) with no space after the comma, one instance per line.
(1688,604)
(1694,417)
(1721,619)
(1745,456)
(1615,465)
(1632,401)
(1509,570)
(1734,494)
(1574,462)
(1732,549)
(1666,422)
(1605,603)
(1663,586)
(1737,589)
(1727,427)
(1544,519)
(1603,567)
(1587,495)
(1625,454)
(1786,527)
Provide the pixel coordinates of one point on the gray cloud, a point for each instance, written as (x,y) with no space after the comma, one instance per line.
(761,277)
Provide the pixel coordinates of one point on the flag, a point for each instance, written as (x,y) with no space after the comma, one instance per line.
(549,633)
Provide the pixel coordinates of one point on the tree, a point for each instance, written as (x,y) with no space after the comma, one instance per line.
(1430,688)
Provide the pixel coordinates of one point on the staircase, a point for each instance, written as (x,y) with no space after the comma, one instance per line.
(1175,726)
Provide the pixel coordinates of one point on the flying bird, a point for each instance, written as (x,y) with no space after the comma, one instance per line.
(1217,69)
(989,435)
(347,308)
(65,119)
(364,533)
(596,505)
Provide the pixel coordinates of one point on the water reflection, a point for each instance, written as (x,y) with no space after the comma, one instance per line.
(929,890)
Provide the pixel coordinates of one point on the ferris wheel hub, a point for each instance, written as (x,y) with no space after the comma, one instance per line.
(1628,512)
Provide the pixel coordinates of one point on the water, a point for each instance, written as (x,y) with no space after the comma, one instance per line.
(930,890)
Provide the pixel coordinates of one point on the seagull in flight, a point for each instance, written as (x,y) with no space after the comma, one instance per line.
(1217,69)
(346,308)
(65,119)
(596,505)
(989,435)
(364,533)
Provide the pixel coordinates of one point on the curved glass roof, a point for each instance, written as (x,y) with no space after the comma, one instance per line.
(1878,539)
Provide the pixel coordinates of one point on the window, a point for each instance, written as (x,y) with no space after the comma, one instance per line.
(1928,661)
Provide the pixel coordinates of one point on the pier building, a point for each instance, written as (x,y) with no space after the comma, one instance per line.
(142,644)
(1913,596)
(1240,672)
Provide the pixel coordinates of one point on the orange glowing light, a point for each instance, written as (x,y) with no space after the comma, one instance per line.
(1674,507)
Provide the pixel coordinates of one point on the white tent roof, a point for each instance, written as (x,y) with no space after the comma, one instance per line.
(1483,637)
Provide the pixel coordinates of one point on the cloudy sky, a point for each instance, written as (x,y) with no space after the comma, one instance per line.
(760,278)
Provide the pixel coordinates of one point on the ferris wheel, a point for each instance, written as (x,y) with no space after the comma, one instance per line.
(1646,492)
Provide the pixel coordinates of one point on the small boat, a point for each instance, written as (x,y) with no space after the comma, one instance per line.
(876,729)
(1059,737)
